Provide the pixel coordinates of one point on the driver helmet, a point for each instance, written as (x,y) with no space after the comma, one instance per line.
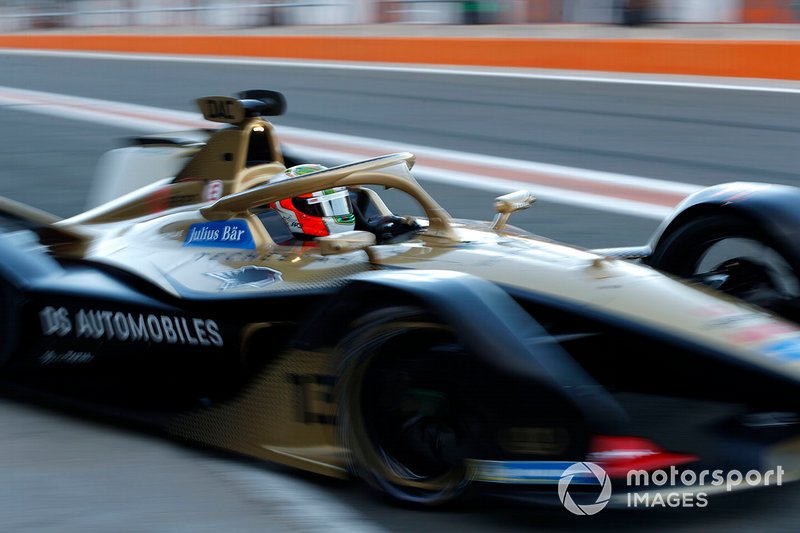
(315,214)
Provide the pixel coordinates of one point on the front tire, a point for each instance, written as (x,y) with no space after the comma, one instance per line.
(731,254)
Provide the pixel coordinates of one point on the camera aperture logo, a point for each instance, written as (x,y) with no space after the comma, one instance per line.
(583,470)
(659,488)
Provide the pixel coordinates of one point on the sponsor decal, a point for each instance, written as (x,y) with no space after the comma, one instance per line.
(535,440)
(735,321)
(746,326)
(763,332)
(316,398)
(786,350)
(220,234)
(220,109)
(728,317)
(70,357)
(525,472)
(182,199)
(212,191)
(130,327)
(293,255)
(715,310)
(723,311)
(246,276)
(158,200)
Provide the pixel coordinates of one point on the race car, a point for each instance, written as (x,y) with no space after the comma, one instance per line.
(289,314)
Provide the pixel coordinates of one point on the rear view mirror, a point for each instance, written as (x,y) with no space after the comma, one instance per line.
(509,203)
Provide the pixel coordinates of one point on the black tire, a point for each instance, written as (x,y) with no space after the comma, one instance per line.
(683,252)
(406,422)
(10,302)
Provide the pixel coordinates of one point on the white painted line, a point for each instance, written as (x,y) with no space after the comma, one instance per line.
(129,116)
(605,191)
(552,194)
(380,146)
(708,82)
(500,186)
(303,459)
(297,505)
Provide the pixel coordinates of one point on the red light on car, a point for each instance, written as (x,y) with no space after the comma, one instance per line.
(619,455)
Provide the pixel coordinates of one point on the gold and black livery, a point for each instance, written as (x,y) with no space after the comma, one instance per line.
(422,354)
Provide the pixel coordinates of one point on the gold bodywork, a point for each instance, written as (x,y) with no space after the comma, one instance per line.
(129,234)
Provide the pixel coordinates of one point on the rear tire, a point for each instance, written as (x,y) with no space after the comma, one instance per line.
(402,418)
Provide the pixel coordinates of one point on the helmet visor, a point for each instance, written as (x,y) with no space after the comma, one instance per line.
(327,203)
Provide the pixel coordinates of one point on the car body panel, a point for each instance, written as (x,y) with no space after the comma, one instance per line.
(169,249)
(183,296)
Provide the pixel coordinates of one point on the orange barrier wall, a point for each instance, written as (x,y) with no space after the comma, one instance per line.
(756,59)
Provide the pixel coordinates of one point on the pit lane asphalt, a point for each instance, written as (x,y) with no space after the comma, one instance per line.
(683,134)
(67,473)
(693,135)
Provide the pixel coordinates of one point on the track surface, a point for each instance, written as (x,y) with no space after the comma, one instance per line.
(66,473)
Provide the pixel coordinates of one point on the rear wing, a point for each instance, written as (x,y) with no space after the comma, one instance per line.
(254,103)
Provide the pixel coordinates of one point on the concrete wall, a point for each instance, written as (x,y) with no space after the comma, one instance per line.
(700,11)
(589,11)
(18,15)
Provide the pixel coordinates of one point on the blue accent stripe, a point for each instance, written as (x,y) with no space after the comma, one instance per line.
(784,351)
(526,472)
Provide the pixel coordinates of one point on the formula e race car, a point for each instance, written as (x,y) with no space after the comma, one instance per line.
(423,355)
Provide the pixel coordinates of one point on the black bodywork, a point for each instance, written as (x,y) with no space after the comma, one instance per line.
(102,335)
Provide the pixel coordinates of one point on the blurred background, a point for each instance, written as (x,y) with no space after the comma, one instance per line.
(24,15)
(62,471)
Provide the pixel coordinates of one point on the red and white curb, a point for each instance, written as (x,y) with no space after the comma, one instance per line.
(605,191)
